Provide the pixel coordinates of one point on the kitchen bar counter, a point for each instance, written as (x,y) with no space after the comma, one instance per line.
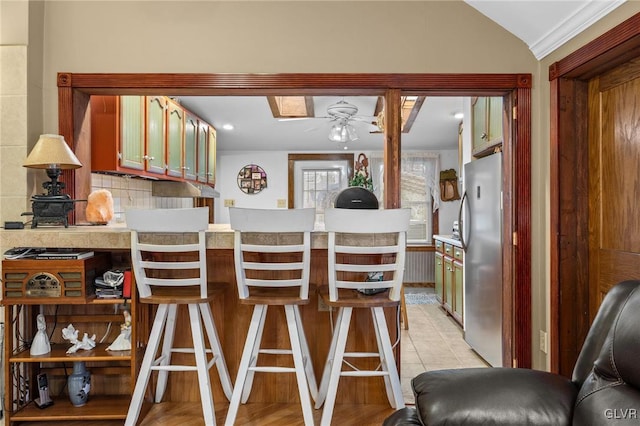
(111,237)
(232,317)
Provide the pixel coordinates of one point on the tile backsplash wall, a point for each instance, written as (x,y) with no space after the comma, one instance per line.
(129,192)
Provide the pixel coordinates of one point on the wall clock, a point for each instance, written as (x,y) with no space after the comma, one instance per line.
(252,179)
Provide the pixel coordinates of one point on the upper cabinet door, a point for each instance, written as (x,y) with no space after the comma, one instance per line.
(132,132)
(156,134)
(486,125)
(201,158)
(175,139)
(190,144)
(211,162)
(495,120)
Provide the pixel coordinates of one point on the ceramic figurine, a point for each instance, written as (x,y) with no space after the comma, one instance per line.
(40,344)
(71,334)
(123,341)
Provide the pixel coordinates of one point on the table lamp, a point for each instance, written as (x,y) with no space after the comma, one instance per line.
(52,153)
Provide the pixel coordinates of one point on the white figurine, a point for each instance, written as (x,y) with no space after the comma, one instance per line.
(71,334)
(123,341)
(40,344)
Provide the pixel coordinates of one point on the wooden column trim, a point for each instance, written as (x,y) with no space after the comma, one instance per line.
(522,203)
(392,133)
(65,128)
(554,237)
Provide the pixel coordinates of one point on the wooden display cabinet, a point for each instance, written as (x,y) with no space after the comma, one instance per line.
(113,373)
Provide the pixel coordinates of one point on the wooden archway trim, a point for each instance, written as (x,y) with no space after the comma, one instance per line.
(75,88)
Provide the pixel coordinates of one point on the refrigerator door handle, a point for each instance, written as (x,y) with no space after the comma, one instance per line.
(460,224)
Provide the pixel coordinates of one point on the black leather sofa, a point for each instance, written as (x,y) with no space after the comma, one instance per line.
(604,388)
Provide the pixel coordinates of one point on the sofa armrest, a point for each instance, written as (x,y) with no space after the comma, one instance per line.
(407,416)
(496,396)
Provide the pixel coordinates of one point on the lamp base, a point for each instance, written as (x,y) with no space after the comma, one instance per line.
(54,187)
(51,210)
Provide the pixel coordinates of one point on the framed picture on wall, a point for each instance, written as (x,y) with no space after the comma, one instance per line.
(252,179)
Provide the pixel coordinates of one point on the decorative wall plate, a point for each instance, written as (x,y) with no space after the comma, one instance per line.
(252,179)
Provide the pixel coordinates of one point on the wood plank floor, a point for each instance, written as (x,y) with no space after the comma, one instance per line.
(252,414)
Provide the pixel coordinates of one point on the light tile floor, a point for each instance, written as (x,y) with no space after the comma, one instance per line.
(434,341)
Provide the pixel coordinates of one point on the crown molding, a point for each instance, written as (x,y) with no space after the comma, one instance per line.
(579,21)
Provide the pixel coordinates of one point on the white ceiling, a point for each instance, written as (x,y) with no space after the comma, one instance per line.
(543,25)
(255,128)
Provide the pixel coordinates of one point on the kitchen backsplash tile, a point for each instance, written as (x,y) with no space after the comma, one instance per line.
(131,192)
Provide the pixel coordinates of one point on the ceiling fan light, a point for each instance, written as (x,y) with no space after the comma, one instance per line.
(341,132)
(335,134)
(351,133)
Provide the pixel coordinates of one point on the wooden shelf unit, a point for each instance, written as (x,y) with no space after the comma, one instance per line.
(113,372)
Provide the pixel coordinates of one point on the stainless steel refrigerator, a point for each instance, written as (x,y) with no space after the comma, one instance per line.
(481,235)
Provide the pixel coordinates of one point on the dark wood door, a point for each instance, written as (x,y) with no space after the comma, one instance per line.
(614,180)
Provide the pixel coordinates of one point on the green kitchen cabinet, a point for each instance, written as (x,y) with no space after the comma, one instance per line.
(190,146)
(486,125)
(439,277)
(131,150)
(448,284)
(211,156)
(155,152)
(175,139)
(458,296)
(202,157)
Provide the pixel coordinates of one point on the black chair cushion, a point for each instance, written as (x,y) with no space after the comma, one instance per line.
(494,396)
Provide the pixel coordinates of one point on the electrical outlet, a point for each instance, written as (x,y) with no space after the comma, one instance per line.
(229,203)
(323,307)
(543,341)
(282,203)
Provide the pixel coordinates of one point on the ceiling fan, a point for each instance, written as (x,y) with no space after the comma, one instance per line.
(342,114)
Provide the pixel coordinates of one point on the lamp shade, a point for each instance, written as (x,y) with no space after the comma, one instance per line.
(342,132)
(51,152)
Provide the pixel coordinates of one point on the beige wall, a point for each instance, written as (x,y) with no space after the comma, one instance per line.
(273,37)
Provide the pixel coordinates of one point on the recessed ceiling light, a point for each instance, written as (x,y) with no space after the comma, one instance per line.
(227,126)
(458,115)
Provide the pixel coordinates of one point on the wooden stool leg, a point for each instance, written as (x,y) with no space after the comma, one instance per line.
(298,363)
(403,309)
(245,363)
(326,372)
(248,383)
(306,355)
(336,367)
(145,368)
(201,365)
(387,382)
(167,347)
(389,360)
(216,349)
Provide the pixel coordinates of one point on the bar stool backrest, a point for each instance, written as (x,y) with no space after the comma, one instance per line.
(265,242)
(164,241)
(376,255)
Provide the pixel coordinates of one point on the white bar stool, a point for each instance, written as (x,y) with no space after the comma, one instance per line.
(272,261)
(349,265)
(171,270)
